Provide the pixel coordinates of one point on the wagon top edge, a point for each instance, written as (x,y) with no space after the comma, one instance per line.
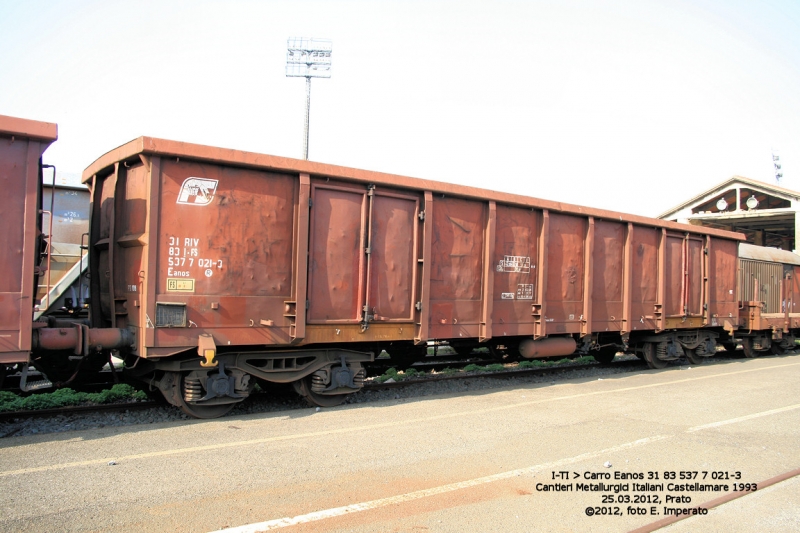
(32,129)
(772,255)
(150,146)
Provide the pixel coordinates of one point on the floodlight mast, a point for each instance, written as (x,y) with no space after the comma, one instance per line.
(308,58)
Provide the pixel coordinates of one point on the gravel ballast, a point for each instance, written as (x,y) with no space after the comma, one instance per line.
(283,398)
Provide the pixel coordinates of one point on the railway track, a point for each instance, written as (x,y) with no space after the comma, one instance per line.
(287,396)
(631,363)
(106,378)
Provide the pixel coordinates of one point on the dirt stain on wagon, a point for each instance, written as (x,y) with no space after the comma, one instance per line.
(457,250)
(252,234)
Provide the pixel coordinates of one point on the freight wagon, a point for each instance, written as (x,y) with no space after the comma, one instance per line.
(227,266)
(769,292)
(57,347)
(22,143)
(214,268)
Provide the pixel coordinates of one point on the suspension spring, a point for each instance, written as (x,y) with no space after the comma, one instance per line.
(318,381)
(358,379)
(192,390)
(661,350)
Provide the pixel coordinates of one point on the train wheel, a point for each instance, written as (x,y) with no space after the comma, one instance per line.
(649,353)
(303,388)
(747,347)
(193,409)
(692,357)
(604,356)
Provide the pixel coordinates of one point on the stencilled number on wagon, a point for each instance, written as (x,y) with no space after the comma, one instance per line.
(525,291)
(515,263)
(209,263)
(184,256)
(181,261)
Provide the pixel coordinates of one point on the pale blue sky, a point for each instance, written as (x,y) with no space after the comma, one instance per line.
(627,105)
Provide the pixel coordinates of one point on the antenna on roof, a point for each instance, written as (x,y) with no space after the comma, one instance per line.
(776,162)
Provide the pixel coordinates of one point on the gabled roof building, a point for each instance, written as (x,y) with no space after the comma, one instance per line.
(769,215)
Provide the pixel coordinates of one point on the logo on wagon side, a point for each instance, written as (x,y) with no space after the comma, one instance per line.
(197,191)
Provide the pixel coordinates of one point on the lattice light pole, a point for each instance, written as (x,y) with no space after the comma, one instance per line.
(308,58)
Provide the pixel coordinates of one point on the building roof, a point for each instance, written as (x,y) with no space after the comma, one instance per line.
(788,194)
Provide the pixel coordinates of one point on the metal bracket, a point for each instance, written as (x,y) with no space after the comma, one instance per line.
(220,384)
(341,376)
(24,386)
(207,349)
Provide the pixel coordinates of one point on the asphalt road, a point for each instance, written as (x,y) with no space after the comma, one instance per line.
(480,462)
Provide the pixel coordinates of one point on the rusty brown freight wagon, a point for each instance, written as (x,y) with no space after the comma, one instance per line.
(22,143)
(769,292)
(27,259)
(229,265)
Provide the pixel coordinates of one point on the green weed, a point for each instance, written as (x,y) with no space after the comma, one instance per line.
(68,397)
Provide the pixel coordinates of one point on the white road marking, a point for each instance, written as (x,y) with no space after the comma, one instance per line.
(743,418)
(401,498)
(416,495)
(371,427)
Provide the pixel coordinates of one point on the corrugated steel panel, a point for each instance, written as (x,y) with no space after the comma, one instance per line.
(768,275)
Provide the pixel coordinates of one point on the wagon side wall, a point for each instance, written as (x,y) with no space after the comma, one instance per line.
(273,257)
(189,248)
(20,178)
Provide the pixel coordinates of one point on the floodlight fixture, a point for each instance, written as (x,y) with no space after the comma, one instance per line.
(308,58)
(752,202)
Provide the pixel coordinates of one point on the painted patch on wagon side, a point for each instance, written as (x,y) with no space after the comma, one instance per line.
(180,285)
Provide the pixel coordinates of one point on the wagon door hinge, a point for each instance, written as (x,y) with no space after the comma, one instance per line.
(310,202)
(421,215)
(367,318)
